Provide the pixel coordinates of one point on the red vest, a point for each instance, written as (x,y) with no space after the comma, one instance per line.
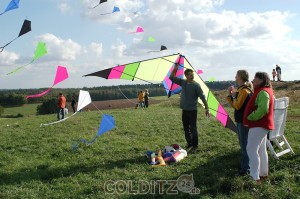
(267,121)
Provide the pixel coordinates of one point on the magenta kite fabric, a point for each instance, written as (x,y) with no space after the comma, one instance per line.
(61,75)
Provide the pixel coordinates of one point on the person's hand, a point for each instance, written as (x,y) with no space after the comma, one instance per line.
(207,113)
(230,89)
(233,93)
(176,65)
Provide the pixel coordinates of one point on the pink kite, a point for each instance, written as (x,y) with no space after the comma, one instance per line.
(199,72)
(61,75)
(138,30)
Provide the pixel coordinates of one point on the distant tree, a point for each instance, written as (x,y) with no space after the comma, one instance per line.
(47,107)
(1,110)
(12,99)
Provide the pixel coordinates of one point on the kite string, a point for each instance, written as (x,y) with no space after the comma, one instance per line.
(144,109)
(125,96)
(102,113)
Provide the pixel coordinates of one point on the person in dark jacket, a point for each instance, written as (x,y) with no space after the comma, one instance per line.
(238,98)
(146,98)
(278,71)
(73,103)
(190,93)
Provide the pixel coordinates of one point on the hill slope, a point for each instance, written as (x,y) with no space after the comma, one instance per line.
(43,162)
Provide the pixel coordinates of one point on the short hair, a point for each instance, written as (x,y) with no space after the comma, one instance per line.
(60,93)
(266,82)
(187,71)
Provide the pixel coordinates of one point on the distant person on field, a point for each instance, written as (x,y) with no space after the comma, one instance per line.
(259,117)
(61,106)
(274,74)
(278,70)
(73,103)
(190,93)
(141,99)
(146,98)
(238,98)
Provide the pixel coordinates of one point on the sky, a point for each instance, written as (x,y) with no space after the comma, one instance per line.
(216,36)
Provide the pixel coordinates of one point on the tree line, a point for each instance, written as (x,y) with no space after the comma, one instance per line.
(16,97)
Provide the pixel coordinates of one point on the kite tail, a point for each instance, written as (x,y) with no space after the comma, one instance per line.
(58,120)
(89,142)
(40,94)
(15,70)
(106,13)
(95,6)
(2,48)
(152,51)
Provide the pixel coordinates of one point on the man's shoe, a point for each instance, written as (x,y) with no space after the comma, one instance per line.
(194,149)
(242,173)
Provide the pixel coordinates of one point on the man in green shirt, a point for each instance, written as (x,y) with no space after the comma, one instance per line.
(191,90)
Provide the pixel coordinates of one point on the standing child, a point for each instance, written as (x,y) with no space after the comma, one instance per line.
(141,99)
(274,74)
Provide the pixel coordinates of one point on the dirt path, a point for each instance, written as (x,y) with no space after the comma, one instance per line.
(117,104)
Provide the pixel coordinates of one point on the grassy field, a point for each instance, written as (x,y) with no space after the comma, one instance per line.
(25,110)
(40,162)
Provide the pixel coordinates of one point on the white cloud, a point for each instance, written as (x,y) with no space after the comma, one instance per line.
(64,7)
(8,58)
(118,49)
(60,49)
(214,39)
(96,48)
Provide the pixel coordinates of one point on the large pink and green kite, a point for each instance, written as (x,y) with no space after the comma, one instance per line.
(158,70)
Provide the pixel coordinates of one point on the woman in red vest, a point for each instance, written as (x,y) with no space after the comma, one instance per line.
(258,116)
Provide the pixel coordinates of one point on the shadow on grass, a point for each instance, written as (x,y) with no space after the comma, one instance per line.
(46,173)
(217,179)
(213,178)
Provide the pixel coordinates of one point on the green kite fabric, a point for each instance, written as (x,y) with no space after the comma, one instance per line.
(156,70)
(40,51)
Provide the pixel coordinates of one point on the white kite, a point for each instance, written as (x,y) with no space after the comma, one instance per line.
(83,101)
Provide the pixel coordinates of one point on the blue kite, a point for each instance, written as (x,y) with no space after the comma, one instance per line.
(107,123)
(14,4)
(115,9)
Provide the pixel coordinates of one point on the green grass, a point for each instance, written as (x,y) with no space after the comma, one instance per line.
(25,110)
(38,162)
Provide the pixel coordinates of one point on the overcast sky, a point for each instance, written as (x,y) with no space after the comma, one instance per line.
(217,36)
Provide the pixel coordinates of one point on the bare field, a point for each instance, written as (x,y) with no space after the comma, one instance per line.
(118,104)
